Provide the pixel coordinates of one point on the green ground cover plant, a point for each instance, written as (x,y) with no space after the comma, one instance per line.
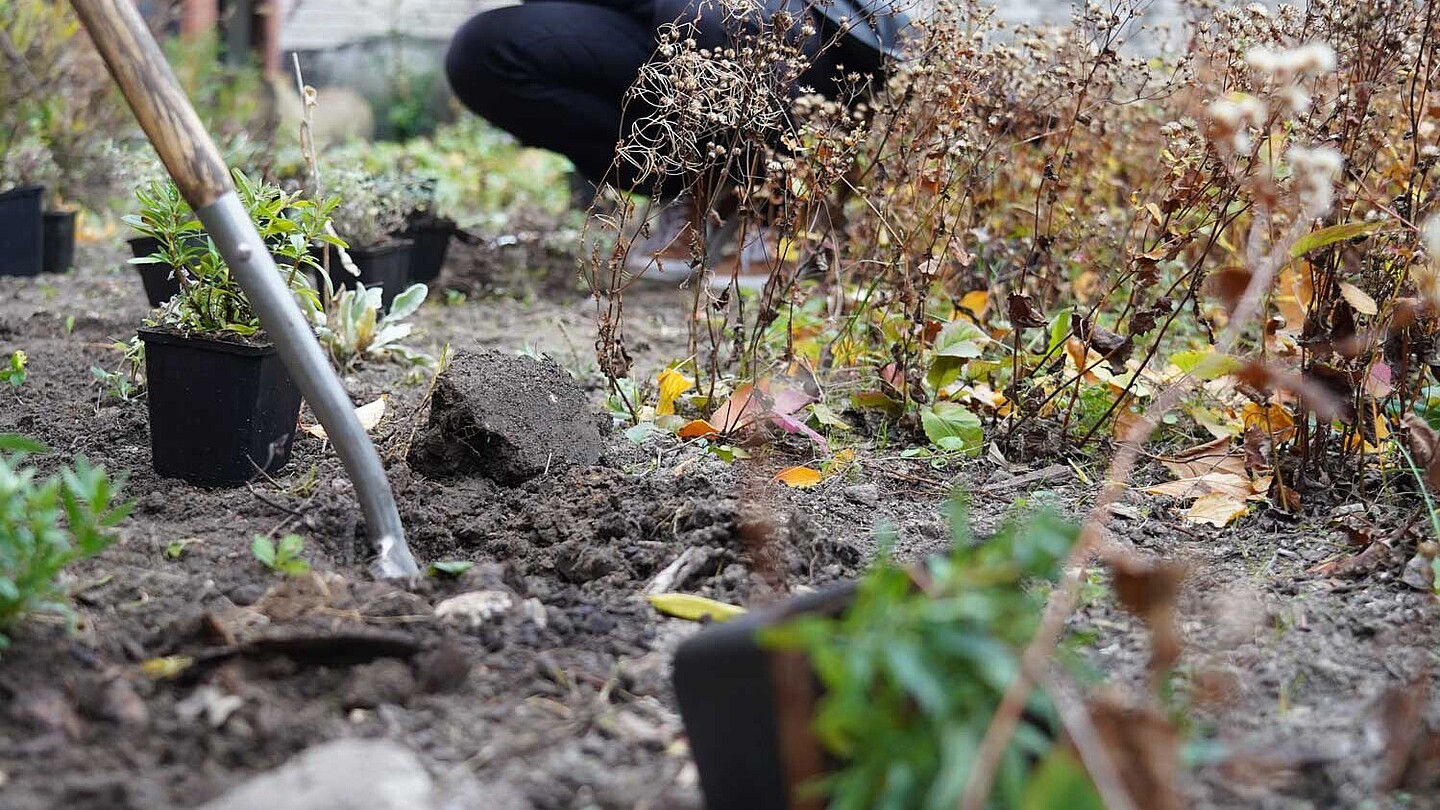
(47,524)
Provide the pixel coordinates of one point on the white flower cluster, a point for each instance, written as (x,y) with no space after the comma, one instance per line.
(1314,172)
(1234,117)
(1286,69)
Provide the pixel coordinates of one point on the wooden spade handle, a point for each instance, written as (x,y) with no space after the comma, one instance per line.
(150,86)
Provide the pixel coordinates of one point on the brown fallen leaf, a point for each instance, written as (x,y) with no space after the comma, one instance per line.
(1358,299)
(1411,746)
(1022,312)
(1373,557)
(738,411)
(697,429)
(369,415)
(1218,456)
(1235,486)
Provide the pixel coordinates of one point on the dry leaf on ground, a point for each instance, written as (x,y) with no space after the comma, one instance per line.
(1216,509)
(369,416)
(799,477)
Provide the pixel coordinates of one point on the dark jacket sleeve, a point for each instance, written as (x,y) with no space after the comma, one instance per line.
(877,25)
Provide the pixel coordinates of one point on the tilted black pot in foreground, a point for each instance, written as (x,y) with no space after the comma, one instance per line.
(59,239)
(748,710)
(219,411)
(22,231)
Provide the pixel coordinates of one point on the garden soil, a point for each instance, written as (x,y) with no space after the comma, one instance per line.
(192,668)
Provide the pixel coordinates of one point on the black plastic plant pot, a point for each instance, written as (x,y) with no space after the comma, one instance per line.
(432,243)
(219,411)
(385,266)
(59,238)
(160,286)
(22,231)
(748,709)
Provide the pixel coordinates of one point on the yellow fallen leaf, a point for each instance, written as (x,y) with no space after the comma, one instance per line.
(1358,298)
(1217,509)
(163,669)
(694,608)
(672,385)
(799,477)
(697,429)
(369,416)
(838,462)
(977,302)
(1272,419)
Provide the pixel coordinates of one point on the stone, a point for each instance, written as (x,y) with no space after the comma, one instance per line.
(475,608)
(340,775)
(863,494)
(378,683)
(506,418)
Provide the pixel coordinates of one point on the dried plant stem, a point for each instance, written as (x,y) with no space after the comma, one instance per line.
(312,162)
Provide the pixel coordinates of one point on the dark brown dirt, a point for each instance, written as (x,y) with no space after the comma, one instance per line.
(560,694)
(506,418)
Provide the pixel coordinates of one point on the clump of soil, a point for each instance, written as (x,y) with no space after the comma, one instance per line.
(506,418)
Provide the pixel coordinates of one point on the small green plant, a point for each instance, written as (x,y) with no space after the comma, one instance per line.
(357,328)
(13,371)
(46,525)
(210,301)
(283,557)
(125,382)
(176,550)
(373,206)
(915,668)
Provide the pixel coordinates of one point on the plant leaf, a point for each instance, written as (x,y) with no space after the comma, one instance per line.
(960,339)
(264,550)
(952,427)
(407,302)
(672,385)
(694,608)
(1335,233)
(799,477)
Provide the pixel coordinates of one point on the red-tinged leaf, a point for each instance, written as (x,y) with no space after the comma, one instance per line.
(786,401)
(737,412)
(790,424)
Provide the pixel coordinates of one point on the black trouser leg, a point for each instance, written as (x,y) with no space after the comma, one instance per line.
(554,75)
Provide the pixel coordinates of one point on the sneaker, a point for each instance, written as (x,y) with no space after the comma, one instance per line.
(665,255)
(751,267)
